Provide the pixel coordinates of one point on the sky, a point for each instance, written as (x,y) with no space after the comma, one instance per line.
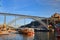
(41,8)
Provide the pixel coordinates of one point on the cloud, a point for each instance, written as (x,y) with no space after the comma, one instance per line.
(52,3)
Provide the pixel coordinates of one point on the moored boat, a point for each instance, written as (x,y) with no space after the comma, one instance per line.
(4,32)
(27,31)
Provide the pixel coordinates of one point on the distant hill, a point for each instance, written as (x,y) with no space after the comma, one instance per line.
(32,24)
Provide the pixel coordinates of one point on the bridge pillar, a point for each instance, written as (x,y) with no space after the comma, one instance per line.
(4,25)
(4,19)
(15,21)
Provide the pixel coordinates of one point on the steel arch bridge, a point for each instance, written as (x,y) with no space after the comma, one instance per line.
(23,17)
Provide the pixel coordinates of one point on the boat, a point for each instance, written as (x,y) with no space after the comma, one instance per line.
(4,32)
(13,31)
(27,31)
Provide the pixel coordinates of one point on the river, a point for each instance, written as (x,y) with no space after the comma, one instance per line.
(36,36)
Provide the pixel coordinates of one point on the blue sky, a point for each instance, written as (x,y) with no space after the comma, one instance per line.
(44,8)
(41,8)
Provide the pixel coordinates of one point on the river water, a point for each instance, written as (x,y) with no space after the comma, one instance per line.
(36,36)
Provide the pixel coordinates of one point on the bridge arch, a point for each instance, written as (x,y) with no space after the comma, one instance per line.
(34,18)
(24,16)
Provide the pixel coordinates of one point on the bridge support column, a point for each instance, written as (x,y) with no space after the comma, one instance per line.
(15,21)
(4,19)
(4,25)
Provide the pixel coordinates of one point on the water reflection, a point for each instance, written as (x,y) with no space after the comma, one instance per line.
(52,36)
(37,36)
(16,37)
(28,37)
(41,36)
